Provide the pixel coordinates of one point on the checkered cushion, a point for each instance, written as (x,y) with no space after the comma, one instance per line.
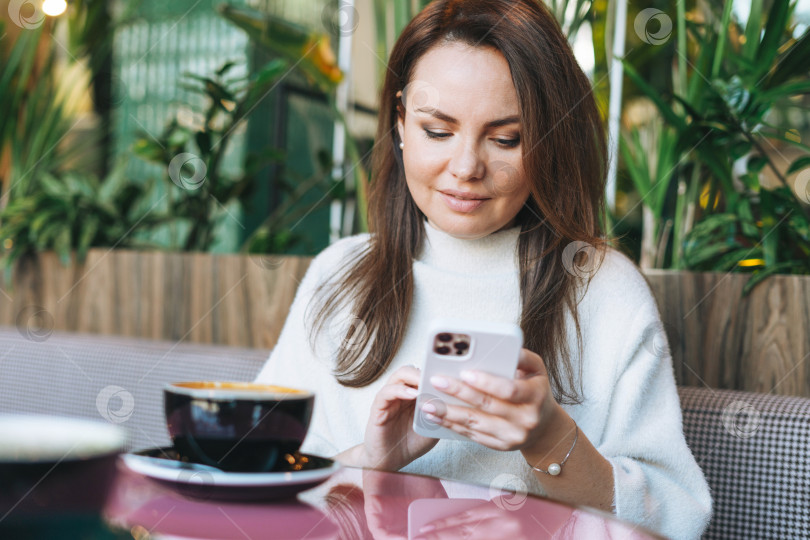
(113,378)
(755,452)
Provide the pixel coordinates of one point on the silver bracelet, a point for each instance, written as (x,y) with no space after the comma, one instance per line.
(556,468)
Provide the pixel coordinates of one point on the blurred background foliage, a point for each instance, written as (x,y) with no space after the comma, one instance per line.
(715,150)
(135,83)
(96,104)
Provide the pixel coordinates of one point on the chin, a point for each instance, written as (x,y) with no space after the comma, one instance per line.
(465,229)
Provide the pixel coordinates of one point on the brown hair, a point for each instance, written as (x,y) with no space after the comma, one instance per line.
(564,159)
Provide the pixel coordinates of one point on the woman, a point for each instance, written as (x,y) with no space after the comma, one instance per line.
(486,203)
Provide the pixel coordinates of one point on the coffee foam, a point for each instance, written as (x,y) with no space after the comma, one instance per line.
(243,389)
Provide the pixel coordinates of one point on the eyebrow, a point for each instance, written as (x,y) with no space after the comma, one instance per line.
(450,120)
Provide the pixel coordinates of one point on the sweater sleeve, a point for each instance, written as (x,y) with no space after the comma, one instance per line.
(657,482)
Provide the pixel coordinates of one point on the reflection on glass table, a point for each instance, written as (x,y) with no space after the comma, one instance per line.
(355,503)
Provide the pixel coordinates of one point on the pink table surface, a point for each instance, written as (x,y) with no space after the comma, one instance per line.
(357,503)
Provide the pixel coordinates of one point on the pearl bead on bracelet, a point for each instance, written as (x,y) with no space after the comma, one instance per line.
(556,468)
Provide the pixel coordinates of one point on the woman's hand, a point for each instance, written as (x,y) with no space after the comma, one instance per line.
(390,442)
(505,414)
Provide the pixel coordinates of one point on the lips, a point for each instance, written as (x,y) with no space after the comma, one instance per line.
(460,201)
(463,195)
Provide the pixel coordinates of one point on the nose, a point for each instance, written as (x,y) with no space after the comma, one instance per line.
(466,163)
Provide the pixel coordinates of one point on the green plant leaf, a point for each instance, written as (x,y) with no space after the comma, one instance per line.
(45,239)
(747,223)
(757,163)
(699,86)
(87,235)
(721,40)
(40,220)
(53,187)
(270,72)
(18,65)
(178,137)
(80,185)
(218,94)
(148,149)
(794,62)
(698,254)
(709,225)
(786,90)
(752,30)
(309,51)
(730,261)
(789,140)
(225,68)
(759,276)
(718,166)
(799,164)
(665,167)
(62,245)
(655,96)
(203,140)
(636,163)
(770,244)
(774,30)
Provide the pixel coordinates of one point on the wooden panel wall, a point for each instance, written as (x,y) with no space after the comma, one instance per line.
(198,297)
(718,338)
(759,343)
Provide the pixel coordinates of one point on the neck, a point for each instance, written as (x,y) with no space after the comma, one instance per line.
(495,253)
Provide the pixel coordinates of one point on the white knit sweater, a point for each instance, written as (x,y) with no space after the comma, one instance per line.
(631,412)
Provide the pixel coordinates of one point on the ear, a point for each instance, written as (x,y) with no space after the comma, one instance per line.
(400,116)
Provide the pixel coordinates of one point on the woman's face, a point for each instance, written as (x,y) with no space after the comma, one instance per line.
(461,134)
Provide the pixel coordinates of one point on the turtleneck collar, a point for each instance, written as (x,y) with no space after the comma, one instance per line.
(492,254)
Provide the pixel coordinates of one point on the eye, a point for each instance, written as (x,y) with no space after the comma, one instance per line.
(435,135)
(508,143)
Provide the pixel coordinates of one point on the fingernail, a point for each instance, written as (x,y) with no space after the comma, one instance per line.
(433,418)
(429,408)
(427,528)
(468,376)
(439,382)
(413,392)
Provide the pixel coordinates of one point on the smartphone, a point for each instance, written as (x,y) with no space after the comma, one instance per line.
(453,346)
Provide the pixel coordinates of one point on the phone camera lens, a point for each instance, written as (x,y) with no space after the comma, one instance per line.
(444,337)
(443,350)
(462,346)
